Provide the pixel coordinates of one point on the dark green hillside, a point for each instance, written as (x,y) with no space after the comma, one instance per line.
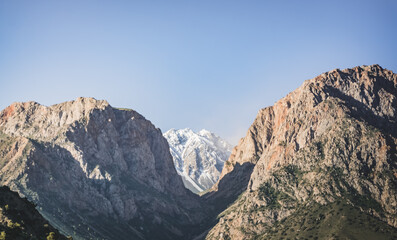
(337,220)
(20,220)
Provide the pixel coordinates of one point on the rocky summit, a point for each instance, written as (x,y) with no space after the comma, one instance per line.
(94,171)
(321,163)
(198,157)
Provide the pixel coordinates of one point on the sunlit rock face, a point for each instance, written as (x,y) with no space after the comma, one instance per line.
(332,139)
(94,171)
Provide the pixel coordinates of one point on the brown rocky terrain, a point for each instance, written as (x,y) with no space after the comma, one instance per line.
(332,139)
(95,171)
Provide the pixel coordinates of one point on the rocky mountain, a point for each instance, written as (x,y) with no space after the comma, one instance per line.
(320,163)
(198,157)
(20,220)
(94,171)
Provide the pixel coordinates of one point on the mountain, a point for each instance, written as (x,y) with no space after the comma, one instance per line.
(20,220)
(95,171)
(321,163)
(198,157)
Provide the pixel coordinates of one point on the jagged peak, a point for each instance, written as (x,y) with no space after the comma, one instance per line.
(91,100)
(87,102)
(337,73)
(364,75)
(23,105)
(205,132)
(182,131)
(372,67)
(31,118)
(342,119)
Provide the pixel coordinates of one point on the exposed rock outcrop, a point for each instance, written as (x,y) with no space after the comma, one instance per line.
(95,171)
(334,138)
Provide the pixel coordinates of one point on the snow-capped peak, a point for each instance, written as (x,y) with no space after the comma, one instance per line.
(198,157)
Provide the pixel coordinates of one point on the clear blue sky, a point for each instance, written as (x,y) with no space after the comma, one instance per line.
(198,64)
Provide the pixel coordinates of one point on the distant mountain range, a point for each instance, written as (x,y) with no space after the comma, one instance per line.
(198,157)
(321,163)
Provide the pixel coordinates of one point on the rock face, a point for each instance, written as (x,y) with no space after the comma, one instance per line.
(333,139)
(95,171)
(198,157)
(20,220)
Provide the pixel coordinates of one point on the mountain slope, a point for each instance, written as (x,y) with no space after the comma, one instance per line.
(337,220)
(20,220)
(95,171)
(198,157)
(332,139)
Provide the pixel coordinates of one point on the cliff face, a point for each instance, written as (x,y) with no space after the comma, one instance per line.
(198,157)
(332,139)
(94,171)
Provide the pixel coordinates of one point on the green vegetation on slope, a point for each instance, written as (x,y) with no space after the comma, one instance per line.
(337,220)
(20,220)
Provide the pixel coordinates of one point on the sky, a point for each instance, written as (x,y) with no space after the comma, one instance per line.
(198,64)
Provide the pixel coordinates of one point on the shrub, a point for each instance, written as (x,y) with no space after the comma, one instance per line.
(51,236)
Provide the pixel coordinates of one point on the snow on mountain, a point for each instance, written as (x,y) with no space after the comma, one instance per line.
(198,157)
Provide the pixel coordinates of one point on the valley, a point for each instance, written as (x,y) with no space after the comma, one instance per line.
(321,163)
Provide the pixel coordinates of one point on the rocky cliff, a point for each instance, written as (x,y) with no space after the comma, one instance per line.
(330,142)
(198,157)
(95,171)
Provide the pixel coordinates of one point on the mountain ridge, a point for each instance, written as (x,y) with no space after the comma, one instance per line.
(332,138)
(102,165)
